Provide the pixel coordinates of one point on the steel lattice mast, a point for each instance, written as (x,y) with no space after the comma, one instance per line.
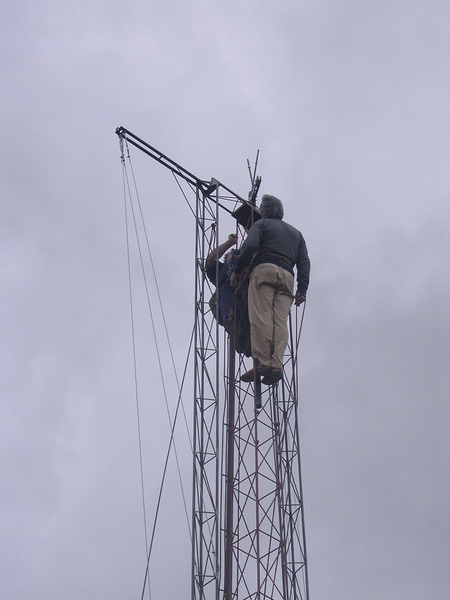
(248,531)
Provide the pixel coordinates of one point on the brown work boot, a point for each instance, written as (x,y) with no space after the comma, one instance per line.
(248,376)
(272,377)
(261,371)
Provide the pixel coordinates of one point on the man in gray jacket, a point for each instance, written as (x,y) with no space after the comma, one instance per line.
(274,247)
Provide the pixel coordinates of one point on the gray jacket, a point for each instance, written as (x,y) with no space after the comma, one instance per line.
(275,241)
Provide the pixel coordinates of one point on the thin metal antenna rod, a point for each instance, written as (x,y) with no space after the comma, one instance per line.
(253,175)
(255,181)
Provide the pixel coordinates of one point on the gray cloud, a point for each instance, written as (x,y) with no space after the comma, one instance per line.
(347,104)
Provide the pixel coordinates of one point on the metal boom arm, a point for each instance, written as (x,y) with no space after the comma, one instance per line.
(245,214)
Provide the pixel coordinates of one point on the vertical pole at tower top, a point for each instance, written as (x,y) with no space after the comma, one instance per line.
(248,525)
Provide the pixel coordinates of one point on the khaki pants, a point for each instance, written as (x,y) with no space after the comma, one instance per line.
(270,297)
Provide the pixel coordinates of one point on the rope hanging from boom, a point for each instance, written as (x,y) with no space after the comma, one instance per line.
(131,214)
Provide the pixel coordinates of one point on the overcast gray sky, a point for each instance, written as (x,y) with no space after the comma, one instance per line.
(348,103)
